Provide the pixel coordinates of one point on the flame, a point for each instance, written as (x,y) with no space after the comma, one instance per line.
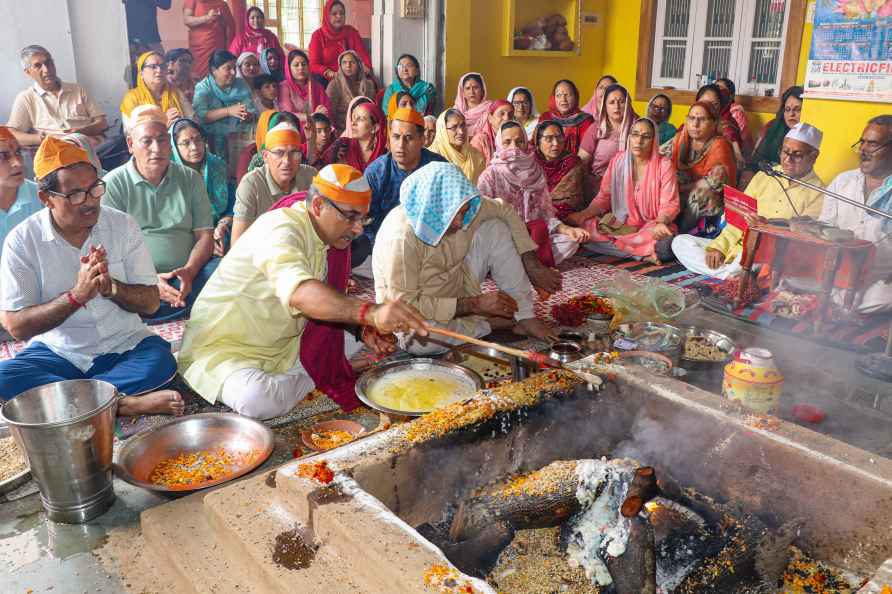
(651,506)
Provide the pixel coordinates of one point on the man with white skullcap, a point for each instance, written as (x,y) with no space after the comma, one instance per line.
(720,257)
(267,329)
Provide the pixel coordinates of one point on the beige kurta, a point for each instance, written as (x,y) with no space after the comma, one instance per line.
(243,318)
(434,278)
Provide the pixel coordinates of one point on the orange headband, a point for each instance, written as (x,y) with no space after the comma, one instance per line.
(407,114)
(345,184)
(282,135)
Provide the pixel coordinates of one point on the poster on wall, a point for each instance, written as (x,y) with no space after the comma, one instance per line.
(851,51)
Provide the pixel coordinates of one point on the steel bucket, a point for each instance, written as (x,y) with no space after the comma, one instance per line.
(66,430)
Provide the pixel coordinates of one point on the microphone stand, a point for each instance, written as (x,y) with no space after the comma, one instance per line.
(769,171)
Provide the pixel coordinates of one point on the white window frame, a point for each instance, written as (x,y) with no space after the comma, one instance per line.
(741,46)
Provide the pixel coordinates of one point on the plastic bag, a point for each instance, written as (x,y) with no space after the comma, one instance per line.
(650,301)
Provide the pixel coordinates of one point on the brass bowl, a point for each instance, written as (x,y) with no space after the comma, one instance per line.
(208,431)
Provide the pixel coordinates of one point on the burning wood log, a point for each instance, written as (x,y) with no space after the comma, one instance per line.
(643,489)
(635,571)
(541,499)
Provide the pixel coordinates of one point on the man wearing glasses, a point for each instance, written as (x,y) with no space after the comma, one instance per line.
(74,279)
(777,199)
(275,322)
(170,203)
(870,184)
(282,174)
(51,107)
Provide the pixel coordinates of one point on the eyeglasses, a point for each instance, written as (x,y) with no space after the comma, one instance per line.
(279,154)
(152,66)
(793,156)
(7,156)
(521,103)
(97,190)
(869,147)
(351,218)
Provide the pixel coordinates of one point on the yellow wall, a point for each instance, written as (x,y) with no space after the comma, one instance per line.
(473,42)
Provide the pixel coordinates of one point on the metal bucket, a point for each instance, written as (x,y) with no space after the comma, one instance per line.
(66,430)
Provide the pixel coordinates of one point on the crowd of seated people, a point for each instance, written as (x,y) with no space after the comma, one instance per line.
(259,177)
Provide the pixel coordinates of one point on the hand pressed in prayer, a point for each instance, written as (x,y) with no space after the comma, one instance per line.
(167,292)
(89,278)
(98,255)
(535,328)
(542,277)
(714,258)
(382,344)
(496,304)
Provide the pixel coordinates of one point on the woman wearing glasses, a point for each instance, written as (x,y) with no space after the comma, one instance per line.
(768,146)
(189,142)
(453,143)
(152,88)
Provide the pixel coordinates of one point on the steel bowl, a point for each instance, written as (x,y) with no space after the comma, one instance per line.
(370,376)
(141,453)
(725,344)
(638,332)
(566,352)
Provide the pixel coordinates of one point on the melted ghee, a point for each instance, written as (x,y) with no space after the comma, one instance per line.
(413,391)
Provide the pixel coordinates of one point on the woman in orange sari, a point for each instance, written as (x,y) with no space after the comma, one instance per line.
(705,163)
(211,27)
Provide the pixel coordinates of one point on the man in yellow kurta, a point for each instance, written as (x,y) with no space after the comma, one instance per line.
(242,344)
(720,257)
(441,242)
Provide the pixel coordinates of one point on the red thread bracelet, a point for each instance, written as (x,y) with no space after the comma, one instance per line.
(363,310)
(74,301)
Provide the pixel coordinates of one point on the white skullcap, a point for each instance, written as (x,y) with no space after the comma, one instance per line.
(806,133)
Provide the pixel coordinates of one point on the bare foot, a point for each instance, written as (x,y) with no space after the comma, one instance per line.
(162,402)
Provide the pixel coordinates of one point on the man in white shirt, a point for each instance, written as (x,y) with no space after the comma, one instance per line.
(74,279)
(870,184)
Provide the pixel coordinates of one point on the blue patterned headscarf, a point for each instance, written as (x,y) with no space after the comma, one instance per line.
(433,195)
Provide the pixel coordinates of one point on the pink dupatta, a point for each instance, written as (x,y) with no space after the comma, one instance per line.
(475,117)
(322,351)
(301,99)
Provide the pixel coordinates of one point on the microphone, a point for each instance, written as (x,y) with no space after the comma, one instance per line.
(767,168)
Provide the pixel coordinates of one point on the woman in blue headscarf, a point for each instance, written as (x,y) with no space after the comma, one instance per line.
(272,62)
(407,80)
(225,106)
(189,142)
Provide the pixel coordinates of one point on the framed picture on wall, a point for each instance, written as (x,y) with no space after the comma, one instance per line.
(542,28)
(412,9)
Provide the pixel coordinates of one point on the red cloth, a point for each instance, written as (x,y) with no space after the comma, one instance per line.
(322,343)
(326,44)
(301,99)
(538,230)
(253,40)
(204,39)
(351,149)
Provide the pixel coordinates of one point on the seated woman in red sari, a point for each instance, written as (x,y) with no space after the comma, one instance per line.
(736,111)
(500,111)
(298,93)
(563,108)
(368,139)
(704,162)
(255,37)
(728,127)
(516,178)
(603,141)
(563,169)
(333,38)
(634,213)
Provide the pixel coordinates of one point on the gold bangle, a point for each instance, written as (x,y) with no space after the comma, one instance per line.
(114,289)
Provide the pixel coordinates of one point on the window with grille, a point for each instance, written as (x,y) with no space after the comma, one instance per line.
(698,40)
(292,20)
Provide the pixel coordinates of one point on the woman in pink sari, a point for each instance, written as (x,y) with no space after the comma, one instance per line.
(471,101)
(299,93)
(516,178)
(602,142)
(500,111)
(633,213)
(255,37)
(593,106)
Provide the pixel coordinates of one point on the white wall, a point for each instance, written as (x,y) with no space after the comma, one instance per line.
(88,40)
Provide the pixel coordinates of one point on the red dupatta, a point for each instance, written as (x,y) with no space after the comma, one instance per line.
(354,156)
(322,352)
(330,34)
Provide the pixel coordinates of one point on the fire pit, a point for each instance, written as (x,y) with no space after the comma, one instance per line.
(429,506)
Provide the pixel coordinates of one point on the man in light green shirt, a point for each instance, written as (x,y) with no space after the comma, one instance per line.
(243,343)
(171,206)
